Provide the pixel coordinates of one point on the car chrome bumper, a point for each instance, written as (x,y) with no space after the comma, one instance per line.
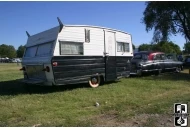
(140,71)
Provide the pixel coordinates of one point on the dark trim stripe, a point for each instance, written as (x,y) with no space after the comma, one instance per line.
(78,69)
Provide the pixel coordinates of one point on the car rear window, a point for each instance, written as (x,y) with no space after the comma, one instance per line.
(137,56)
(141,56)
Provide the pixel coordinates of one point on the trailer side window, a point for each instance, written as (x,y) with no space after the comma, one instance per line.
(126,47)
(123,47)
(71,48)
(87,35)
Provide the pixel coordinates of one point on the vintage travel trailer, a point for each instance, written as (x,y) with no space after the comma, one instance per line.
(70,54)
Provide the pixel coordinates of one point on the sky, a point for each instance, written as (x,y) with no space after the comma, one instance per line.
(35,17)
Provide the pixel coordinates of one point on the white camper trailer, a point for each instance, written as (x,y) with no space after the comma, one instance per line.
(70,54)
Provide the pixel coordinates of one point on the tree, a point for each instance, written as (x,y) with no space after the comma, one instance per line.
(163,46)
(133,47)
(20,51)
(166,47)
(145,47)
(187,48)
(167,18)
(7,51)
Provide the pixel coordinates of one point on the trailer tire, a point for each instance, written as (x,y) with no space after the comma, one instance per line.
(94,81)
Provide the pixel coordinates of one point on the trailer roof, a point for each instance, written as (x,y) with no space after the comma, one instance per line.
(96,27)
(91,26)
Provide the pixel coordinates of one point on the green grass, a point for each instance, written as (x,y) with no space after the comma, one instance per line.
(121,103)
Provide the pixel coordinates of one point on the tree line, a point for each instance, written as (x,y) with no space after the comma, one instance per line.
(163,46)
(166,47)
(10,52)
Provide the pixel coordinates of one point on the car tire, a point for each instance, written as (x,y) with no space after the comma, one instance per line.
(94,81)
(182,68)
(140,73)
(178,69)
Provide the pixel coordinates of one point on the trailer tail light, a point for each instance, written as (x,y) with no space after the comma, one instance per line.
(54,63)
(46,69)
(23,68)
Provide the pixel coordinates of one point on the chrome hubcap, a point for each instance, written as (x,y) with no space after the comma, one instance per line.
(94,80)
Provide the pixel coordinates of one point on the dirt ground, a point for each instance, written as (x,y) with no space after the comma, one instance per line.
(142,120)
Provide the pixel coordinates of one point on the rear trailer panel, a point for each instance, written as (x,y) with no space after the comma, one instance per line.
(35,72)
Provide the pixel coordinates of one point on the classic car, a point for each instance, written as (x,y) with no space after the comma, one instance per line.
(155,62)
(172,56)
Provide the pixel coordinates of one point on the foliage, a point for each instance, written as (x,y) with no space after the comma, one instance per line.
(187,48)
(20,51)
(145,47)
(167,18)
(7,51)
(167,47)
(133,47)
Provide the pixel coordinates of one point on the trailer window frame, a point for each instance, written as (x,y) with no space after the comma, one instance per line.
(72,42)
(87,35)
(122,47)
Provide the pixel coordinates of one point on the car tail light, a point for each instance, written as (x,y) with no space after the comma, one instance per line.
(23,68)
(54,63)
(46,69)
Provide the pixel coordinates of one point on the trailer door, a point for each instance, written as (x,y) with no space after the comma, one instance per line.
(110,56)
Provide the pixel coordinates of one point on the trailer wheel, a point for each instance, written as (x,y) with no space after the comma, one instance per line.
(94,81)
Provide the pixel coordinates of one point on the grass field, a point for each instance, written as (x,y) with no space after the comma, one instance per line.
(135,101)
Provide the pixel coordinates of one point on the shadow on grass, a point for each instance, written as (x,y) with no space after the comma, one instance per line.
(15,87)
